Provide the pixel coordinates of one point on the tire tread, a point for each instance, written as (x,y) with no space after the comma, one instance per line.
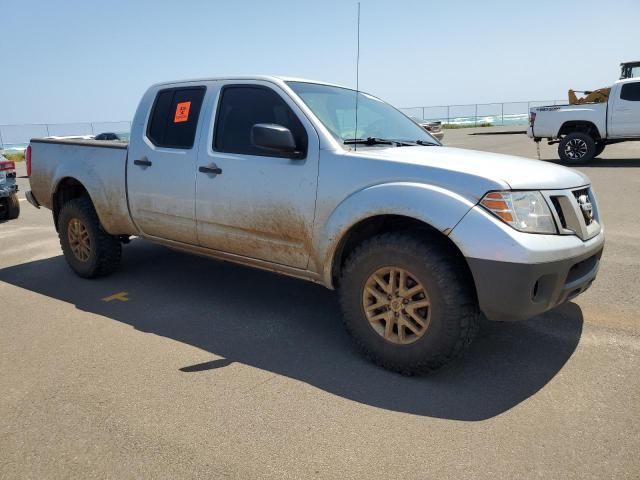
(446,265)
(108,247)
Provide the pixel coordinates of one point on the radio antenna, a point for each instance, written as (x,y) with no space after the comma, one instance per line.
(355,134)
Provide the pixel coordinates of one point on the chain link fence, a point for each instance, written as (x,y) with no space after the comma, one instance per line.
(499,114)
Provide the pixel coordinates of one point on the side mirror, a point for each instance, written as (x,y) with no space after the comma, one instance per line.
(274,138)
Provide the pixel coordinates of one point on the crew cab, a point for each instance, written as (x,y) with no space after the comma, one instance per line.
(583,131)
(281,174)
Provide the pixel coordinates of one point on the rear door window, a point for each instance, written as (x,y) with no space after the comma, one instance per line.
(631,92)
(241,107)
(174,117)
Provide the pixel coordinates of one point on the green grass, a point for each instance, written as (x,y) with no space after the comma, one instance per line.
(453,126)
(14,156)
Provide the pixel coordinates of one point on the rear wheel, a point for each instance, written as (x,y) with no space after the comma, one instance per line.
(408,303)
(577,147)
(88,249)
(599,148)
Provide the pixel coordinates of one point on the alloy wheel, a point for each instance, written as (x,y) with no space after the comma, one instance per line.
(396,305)
(576,148)
(79,240)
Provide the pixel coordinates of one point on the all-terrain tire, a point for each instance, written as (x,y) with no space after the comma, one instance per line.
(105,250)
(10,208)
(454,316)
(577,147)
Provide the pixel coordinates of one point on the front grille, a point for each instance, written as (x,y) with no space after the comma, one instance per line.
(586,207)
(575,212)
(581,191)
(558,208)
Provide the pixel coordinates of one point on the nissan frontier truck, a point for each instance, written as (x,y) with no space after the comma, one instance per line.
(282,174)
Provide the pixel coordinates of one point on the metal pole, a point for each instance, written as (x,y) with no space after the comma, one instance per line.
(448,116)
(475,118)
(502,112)
(46,126)
(1,142)
(423,113)
(92,132)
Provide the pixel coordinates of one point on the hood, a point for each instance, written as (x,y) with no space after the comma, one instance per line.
(512,172)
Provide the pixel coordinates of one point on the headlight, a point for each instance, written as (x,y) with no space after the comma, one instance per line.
(524,211)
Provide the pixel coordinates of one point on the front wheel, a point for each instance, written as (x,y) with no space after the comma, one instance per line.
(10,208)
(88,249)
(577,147)
(409,303)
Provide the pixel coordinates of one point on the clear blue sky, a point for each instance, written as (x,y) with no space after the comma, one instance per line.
(91,60)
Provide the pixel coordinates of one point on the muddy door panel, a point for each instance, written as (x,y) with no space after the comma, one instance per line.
(250,201)
(161,168)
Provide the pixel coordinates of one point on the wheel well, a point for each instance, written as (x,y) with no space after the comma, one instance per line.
(579,126)
(68,189)
(377,225)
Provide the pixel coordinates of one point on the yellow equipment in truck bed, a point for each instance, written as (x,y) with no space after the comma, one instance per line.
(627,70)
(595,96)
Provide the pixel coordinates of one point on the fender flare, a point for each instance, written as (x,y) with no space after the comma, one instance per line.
(580,125)
(432,205)
(113,218)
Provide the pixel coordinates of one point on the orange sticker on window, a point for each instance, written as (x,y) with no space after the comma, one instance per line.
(182,112)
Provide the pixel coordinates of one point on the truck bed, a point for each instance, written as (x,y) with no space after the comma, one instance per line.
(83,141)
(551,118)
(99,165)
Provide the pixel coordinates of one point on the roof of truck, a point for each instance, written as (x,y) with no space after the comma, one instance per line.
(627,80)
(266,78)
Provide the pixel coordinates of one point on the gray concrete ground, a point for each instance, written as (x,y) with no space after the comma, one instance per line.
(217,371)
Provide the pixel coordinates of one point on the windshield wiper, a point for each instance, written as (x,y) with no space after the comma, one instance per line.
(386,141)
(382,141)
(369,141)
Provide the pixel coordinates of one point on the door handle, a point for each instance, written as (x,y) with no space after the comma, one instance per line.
(143,162)
(212,169)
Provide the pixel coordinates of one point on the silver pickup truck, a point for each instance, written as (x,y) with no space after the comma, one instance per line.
(282,174)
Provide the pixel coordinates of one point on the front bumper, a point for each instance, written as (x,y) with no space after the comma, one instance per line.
(518,275)
(517,291)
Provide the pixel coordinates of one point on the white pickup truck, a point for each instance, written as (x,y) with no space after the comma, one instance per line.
(274,173)
(583,131)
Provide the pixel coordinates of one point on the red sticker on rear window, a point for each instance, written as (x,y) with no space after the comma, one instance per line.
(182,112)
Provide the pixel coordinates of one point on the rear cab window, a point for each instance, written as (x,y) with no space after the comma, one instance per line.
(242,106)
(174,117)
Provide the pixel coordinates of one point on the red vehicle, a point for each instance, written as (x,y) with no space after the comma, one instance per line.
(9,204)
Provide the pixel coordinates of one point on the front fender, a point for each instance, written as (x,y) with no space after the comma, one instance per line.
(435,206)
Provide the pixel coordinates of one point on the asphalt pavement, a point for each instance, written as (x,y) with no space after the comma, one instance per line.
(182,367)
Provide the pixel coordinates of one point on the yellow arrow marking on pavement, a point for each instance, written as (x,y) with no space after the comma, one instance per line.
(122,296)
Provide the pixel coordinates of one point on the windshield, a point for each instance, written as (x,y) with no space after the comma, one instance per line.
(336,109)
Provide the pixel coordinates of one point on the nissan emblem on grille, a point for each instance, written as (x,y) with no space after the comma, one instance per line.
(586,207)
